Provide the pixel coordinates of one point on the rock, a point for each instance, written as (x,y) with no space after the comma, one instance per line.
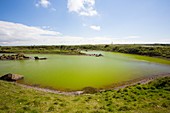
(25,57)
(11,77)
(37,58)
(19,56)
(42,58)
(98,55)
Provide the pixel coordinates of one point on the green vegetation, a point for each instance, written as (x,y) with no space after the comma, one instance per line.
(40,49)
(146,58)
(153,97)
(156,50)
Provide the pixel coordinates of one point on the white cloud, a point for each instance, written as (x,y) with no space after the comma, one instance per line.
(84,25)
(20,34)
(43,3)
(94,27)
(82,7)
(13,32)
(53,9)
(46,27)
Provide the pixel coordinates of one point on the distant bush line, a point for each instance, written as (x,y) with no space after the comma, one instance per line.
(156,50)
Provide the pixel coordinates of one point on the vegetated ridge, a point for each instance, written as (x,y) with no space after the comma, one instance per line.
(153,50)
(146,98)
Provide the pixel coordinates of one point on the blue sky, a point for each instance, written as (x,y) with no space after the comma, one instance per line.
(44,22)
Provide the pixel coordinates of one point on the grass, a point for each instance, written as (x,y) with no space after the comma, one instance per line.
(146,58)
(39,50)
(152,50)
(153,97)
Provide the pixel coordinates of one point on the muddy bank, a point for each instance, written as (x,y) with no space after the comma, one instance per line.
(50,90)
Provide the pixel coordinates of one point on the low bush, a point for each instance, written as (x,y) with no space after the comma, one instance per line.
(90,90)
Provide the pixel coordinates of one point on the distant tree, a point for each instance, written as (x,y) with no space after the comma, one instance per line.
(106,46)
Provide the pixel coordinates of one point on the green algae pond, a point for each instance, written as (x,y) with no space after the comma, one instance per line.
(74,72)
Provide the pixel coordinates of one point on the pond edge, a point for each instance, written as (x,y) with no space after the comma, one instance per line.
(143,80)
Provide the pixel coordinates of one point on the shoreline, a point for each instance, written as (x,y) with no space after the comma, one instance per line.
(116,86)
(84,54)
(69,54)
(142,80)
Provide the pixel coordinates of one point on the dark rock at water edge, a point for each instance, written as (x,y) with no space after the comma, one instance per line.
(19,56)
(37,58)
(96,55)
(11,77)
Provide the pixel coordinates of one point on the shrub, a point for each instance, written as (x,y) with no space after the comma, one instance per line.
(139,87)
(90,90)
(164,105)
(145,87)
(125,90)
(125,108)
(162,83)
(51,109)
(153,104)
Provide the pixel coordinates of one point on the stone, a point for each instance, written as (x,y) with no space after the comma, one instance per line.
(19,56)
(11,77)
(37,58)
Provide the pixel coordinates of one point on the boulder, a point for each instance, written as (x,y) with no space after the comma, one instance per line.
(19,56)
(11,77)
(98,55)
(37,58)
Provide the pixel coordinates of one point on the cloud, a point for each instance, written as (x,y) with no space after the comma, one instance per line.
(15,32)
(84,25)
(96,28)
(82,7)
(53,9)
(20,34)
(43,3)
(132,37)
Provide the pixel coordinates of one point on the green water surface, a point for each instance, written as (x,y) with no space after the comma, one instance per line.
(71,72)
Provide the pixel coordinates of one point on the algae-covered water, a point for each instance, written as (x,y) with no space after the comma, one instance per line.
(71,72)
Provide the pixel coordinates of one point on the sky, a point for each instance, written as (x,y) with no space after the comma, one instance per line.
(72,22)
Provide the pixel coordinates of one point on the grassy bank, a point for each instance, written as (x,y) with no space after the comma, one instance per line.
(153,50)
(148,98)
(39,49)
(160,60)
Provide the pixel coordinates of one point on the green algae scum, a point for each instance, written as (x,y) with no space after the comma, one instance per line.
(73,72)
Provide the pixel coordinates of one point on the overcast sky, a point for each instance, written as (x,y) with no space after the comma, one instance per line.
(58,22)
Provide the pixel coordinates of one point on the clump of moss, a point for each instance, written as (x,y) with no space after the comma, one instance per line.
(90,90)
